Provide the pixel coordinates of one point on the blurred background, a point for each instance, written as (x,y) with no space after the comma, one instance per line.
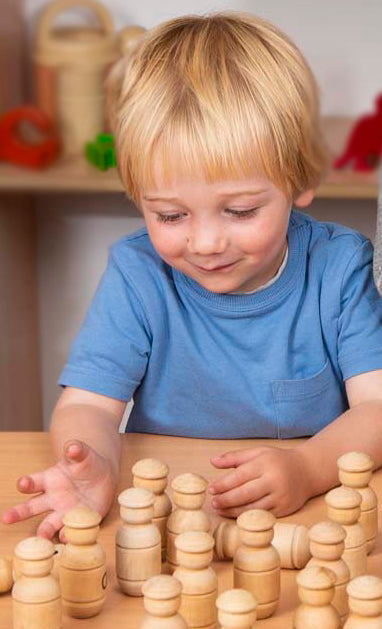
(58,220)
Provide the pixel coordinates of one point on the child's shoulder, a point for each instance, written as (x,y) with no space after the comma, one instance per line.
(137,260)
(329,240)
(134,248)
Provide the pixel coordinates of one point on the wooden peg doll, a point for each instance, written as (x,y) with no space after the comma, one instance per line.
(236,609)
(82,564)
(36,598)
(343,506)
(316,592)
(152,474)
(138,541)
(290,540)
(355,471)
(327,543)
(162,601)
(189,492)
(365,602)
(198,579)
(256,563)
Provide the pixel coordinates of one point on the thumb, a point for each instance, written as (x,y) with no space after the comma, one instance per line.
(76,450)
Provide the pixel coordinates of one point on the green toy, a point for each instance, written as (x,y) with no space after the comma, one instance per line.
(101,152)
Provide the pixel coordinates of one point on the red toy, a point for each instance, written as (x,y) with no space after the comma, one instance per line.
(16,149)
(364,147)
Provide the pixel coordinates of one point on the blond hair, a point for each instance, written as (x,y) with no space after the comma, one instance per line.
(222,95)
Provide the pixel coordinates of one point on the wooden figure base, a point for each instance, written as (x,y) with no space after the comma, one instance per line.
(83,610)
(324,618)
(27,615)
(262,586)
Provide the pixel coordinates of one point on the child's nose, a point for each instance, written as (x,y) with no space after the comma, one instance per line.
(206,240)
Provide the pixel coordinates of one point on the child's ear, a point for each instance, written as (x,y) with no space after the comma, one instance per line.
(305,198)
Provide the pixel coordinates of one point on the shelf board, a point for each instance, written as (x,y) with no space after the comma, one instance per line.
(76,175)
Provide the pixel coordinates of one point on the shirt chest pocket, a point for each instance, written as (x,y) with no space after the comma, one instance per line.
(305,406)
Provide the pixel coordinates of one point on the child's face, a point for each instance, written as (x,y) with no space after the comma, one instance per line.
(229,236)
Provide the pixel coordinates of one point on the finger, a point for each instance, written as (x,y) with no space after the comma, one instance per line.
(234,458)
(266,503)
(246,493)
(27,509)
(31,484)
(76,450)
(50,525)
(62,536)
(245,472)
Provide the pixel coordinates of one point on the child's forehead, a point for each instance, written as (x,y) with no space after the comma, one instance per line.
(165,183)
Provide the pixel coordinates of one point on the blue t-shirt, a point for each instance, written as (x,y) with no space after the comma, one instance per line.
(224,366)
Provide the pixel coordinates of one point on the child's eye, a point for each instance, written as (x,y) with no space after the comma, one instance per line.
(169,218)
(240,214)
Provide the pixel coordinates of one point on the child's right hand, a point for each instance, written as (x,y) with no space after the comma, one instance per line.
(81,477)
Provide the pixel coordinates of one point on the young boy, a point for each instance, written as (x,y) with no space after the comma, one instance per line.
(230,315)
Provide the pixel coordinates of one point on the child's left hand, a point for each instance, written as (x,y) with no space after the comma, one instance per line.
(268,478)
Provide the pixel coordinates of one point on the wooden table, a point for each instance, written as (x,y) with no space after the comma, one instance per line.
(23,453)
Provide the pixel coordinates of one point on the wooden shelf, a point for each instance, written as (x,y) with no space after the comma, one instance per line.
(76,175)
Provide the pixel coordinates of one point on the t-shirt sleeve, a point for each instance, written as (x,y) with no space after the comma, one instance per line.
(110,353)
(360,321)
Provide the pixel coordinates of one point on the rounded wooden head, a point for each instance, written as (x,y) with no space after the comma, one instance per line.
(343,505)
(237,608)
(35,555)
(327,540)
(226,536)
(256,527)
(194,549)
(355,469)
(81,525)
(162,595)
(137,505)
(151,469)
(365,595)
(150,474)
(316,585)
(189,490)
(300,547)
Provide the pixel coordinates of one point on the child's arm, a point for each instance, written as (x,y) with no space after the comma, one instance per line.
(281,480)
(86,442)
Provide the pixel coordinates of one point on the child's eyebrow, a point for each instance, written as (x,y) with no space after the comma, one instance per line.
(237,193)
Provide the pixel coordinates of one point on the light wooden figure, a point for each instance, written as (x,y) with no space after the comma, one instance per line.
(327,543)
(82,564)
(365,602)
(6,575)
(36,598)
(198,579)
(162,602)
(152,474)
(344,506)
(256,563)
(189,492)
(355,471)
(236,609)
(138,541)
(58,548)
(316,592)
(290,540)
